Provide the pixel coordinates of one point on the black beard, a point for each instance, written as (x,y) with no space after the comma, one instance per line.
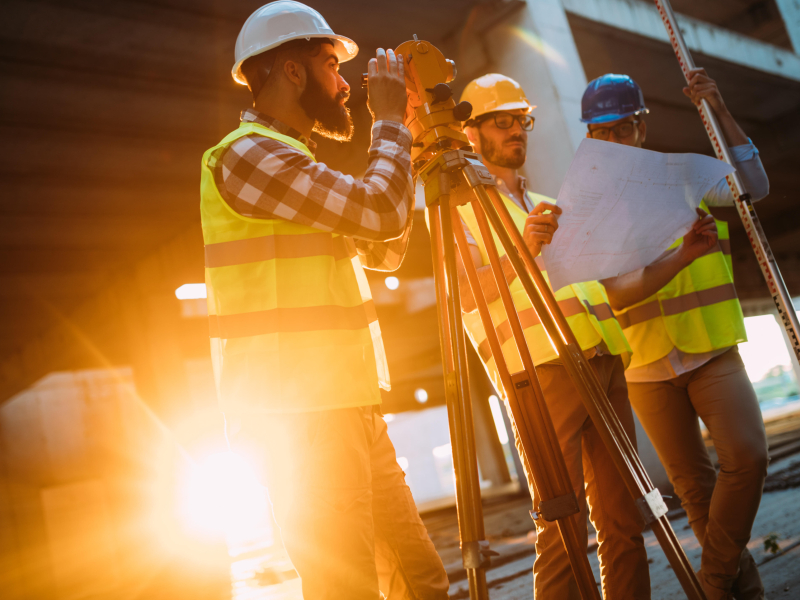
(331,119)
(513,159)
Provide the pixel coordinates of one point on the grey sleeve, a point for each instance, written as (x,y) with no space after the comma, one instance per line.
(748,165)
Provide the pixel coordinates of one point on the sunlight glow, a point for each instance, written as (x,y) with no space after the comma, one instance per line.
(442,451)
(497,416)
(538,45)
(392,282)
(403,462)
(765,347)
(191,291)
(421,395)
(221,494)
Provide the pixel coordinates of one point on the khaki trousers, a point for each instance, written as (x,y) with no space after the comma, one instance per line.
(347,518)
(721,508)
(596,481)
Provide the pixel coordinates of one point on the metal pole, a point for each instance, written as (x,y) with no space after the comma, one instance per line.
(744,206)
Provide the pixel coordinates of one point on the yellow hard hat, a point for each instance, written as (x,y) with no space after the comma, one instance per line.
(495,92)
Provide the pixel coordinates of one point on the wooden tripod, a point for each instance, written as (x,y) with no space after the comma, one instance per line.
(452,178)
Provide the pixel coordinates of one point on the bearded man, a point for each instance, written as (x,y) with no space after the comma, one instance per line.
(296,343)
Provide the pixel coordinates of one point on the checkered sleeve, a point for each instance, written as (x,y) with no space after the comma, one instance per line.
(265,178)
(385,256)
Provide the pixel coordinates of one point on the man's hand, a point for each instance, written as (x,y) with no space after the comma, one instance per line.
(387,87)
(701,238)
(539,227)
(701,86)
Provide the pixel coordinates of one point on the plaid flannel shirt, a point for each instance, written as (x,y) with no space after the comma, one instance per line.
(264,178)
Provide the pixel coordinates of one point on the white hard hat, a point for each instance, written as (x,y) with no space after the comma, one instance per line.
(279,22)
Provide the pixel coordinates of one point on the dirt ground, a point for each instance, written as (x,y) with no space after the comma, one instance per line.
(510,531)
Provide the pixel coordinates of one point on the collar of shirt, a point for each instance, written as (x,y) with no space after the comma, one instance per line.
(251,115)
(523,184)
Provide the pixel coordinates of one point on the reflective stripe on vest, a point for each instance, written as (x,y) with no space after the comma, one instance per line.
(291,318)
(698,311)
(585,305)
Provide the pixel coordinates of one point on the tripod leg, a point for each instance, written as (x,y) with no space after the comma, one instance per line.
(592,394)
(543,455)
(474,548)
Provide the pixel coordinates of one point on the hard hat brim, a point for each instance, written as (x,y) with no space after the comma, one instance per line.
(503,107)
(345,48)
(614,117)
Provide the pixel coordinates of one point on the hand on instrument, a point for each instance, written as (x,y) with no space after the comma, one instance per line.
(539,227)
(702,86)
(387,87)
(701,238)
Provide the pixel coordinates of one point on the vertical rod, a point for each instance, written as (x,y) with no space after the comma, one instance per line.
(743,200)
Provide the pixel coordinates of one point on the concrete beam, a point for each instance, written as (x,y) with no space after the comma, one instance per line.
(642,18)
(790,11)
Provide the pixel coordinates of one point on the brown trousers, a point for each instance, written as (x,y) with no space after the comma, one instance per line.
(347,518)
(623,559)
(721,508)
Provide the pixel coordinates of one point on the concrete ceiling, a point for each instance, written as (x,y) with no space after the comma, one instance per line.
(107,107)
(105,111)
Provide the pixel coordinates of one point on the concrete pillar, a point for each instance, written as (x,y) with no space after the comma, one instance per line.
(790,11)
(491,458)
(534,45)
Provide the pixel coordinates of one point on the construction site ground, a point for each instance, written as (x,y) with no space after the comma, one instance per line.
(775,542)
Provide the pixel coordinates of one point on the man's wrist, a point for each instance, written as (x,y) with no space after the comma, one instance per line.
(394,118)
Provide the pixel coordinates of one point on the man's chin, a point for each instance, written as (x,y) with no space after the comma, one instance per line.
(340,132)
(514,159)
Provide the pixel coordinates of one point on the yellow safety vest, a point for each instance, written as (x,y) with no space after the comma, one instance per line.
(584,304)
(698,311)
(292,323)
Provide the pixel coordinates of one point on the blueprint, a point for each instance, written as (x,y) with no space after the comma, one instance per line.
(623,207)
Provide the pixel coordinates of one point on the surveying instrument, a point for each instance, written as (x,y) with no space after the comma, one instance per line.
(453,175)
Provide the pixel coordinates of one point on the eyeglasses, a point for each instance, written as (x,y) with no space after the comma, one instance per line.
(621,130)
(505,120)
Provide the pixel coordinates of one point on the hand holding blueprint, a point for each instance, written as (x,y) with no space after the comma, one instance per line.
(623,207)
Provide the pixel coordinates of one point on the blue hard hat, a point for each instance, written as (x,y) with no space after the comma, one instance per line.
(610,98)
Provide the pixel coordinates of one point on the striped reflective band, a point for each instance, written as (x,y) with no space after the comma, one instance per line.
(292,320)
(674,306)
(239,252)
(528,317)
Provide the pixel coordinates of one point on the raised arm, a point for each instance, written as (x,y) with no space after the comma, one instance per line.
(745,155)
(267,179)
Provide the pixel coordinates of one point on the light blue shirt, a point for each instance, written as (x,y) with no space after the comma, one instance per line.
(748,165)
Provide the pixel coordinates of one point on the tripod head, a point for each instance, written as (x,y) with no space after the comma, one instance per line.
(432,116)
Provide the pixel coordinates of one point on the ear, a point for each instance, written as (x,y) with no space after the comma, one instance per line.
(642,131)
(295,72)
(472,136)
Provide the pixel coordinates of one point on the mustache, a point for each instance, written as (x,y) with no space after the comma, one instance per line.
(343,96)
(516,138)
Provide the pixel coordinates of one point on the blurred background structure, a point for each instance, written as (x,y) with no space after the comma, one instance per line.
(112,456)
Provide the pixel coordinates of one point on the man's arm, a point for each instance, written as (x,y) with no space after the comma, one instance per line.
(264,178)
(628,289)
(744,153)
(267,179)
(539,230)
(385,256)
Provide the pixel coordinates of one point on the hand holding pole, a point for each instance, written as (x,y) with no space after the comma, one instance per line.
(744,206)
